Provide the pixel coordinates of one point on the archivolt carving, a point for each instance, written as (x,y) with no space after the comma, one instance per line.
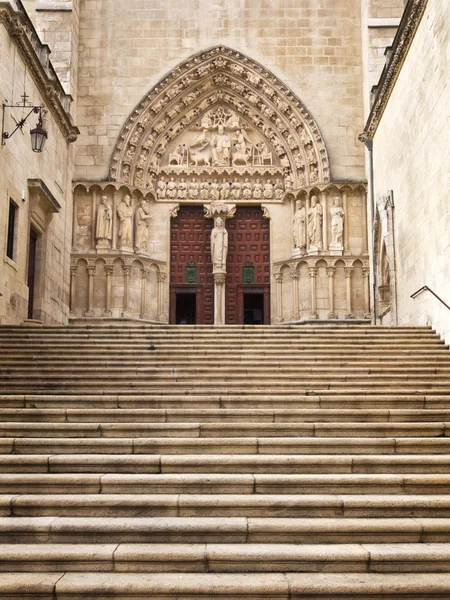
(220,114)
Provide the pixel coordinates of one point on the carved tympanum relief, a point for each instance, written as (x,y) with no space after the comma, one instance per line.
(219,115)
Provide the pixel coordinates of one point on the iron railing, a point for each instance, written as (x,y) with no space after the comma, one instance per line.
(425,288)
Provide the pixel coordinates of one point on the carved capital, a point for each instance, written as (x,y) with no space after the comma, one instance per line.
(348,272)
(313,271)
(279,277)
(109,270)
(331,271)
(91,270)
(126,270)
(74,270)
(366,272)
(294,273)
(220,278)
(161,277)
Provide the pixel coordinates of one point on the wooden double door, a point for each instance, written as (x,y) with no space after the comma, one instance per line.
(248,268)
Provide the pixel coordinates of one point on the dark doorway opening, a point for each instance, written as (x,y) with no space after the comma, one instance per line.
(32,246)
(253,309)
(186,309)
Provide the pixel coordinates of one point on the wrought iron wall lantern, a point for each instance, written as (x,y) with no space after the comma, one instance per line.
(39,134)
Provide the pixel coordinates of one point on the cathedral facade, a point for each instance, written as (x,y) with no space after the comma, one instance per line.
(211,167)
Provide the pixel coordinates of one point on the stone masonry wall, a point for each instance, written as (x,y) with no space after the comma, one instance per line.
(18,164)
(412,158)
(126,47)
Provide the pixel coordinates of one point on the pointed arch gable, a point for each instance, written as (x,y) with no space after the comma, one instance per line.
(213,85)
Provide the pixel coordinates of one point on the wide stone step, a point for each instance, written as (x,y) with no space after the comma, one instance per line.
(208,586)
(241,530)
(231,446)
(224,463)
(210,483)
(225,505)
(159,415)
(327,399)
(226,558)
(226,430)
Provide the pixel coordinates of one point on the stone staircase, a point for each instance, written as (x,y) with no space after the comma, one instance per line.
(233,463)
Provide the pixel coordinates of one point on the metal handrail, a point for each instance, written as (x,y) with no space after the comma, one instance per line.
(426,288)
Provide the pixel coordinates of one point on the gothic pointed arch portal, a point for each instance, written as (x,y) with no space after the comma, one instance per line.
(220,118)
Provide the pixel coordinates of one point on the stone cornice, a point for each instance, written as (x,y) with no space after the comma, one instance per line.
(36,57)
(397,53)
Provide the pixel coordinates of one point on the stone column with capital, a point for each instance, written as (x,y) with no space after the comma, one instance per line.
(109,270)
(279,297)
(295,279)
(330,274)
(348,281)
(219,298)
(126,289)
(313,278)
(161,277)
(91,275)
(73,289)
(366,276)
(145,275)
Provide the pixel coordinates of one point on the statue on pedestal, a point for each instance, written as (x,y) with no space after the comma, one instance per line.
(125,212)
(337,224)
(142,219)
(315,216)
(299,226)
(219,246)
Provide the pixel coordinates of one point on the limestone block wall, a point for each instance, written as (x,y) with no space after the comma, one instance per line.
(39,185)
(411,158)
(127,47)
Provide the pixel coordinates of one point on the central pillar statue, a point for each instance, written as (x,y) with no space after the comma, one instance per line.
(220,212)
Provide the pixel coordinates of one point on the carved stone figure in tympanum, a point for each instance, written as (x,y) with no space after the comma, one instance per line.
(172,189)
(257,190)
(104,223)
(161,189)
(314,174)
(279,189)
(221,148)
(241,151)
(193,189)
(247,190)
(204,190)
(268,190)
(337,223)
(236,189)
(315,216)
(219,246)
(125,212)
(215,190)
(299,225)
(182,190)
(224,190)
(142,219)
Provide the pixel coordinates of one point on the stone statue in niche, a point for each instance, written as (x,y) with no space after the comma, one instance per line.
(337,224)
(125,212)
(161,189)
(219,246)
(299,226)
(221,148)
(142,219)
(104,224)
(315,216)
